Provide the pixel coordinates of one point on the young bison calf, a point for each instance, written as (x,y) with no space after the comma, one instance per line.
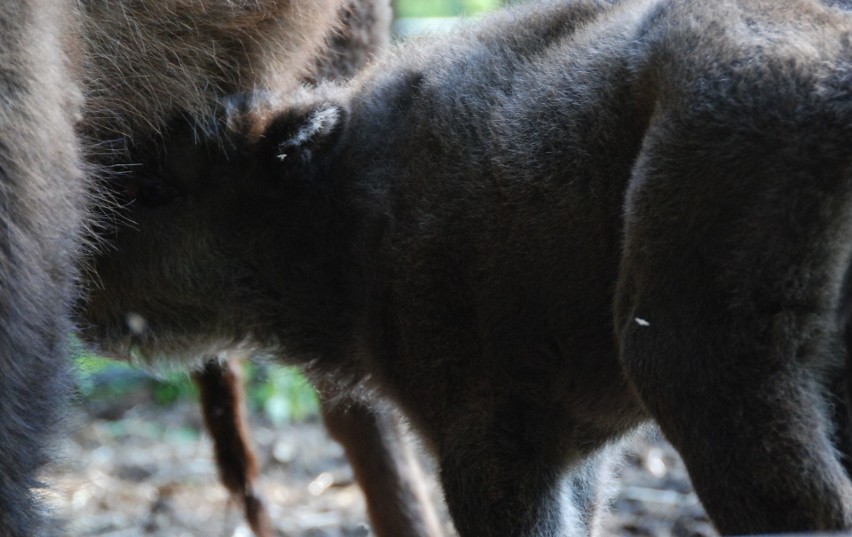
(83,83)
(566,220)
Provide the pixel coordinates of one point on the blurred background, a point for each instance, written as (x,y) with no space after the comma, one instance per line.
(414,17)
(137,460)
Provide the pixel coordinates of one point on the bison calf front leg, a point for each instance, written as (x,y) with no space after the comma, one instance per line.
(384,465)
(223,404)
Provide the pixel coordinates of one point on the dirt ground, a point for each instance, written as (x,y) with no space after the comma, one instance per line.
(138,469)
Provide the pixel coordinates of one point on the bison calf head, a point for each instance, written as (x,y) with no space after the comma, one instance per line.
(230,240)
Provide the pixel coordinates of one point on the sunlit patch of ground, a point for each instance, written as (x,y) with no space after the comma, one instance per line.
(150,473)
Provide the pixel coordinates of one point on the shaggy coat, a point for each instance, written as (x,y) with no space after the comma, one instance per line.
(537,235)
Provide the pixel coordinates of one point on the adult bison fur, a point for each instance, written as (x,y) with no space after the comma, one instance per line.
(42,201)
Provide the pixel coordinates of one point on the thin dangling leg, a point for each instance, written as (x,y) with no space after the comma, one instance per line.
(223,403)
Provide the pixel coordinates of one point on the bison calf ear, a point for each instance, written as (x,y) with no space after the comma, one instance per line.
(298,139)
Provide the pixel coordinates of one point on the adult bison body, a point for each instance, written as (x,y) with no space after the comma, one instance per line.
(85,83)
(42,195)
(564,221)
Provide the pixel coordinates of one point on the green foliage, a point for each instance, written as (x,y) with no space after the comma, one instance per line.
(416,17)
(104,379)
(100,378)
(173,387)
(443,8)
(281,393)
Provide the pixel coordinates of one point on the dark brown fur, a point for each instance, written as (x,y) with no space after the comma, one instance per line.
(538,235)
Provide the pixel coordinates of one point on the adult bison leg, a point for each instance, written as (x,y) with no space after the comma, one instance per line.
(41,200)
